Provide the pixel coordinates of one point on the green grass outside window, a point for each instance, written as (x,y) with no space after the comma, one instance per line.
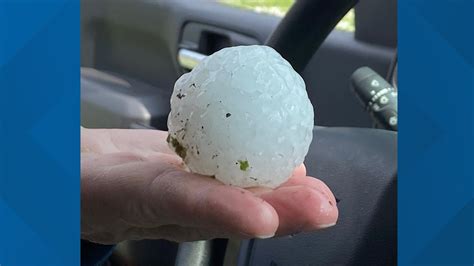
(280,7)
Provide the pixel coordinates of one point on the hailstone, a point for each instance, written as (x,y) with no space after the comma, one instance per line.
(243,116)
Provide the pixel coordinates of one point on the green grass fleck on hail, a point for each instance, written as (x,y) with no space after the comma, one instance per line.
(244,165)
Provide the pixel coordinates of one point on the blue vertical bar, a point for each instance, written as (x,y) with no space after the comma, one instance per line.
(436,151)
(39,132)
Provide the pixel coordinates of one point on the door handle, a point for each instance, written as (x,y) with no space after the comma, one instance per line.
(188,59)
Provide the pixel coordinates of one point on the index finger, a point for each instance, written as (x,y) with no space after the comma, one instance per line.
(167,195)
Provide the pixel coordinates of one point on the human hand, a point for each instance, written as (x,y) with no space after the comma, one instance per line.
(134,187)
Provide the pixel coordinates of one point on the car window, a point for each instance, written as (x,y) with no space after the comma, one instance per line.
(280,7)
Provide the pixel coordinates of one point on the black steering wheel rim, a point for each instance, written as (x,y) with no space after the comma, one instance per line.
(305,27)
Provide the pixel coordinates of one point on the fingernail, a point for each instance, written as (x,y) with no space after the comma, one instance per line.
(322,226)
(326,213)
(265,237)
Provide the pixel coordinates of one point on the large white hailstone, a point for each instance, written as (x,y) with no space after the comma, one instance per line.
(243,116)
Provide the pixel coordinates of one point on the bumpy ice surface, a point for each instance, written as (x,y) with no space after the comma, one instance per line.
(243,116)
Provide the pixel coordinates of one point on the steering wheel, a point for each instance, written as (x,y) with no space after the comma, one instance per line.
(359,165)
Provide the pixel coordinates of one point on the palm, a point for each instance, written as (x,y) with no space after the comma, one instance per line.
(161,200)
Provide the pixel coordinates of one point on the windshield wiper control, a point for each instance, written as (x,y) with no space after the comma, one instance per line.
(377,96)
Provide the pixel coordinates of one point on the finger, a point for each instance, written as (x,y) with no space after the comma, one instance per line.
(301,208)
(118,180)
(174,233)
(299,171)
(174,196)
(201,201)
(179,234)
(311,182)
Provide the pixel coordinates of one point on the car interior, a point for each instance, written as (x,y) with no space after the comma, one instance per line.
(132,52)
